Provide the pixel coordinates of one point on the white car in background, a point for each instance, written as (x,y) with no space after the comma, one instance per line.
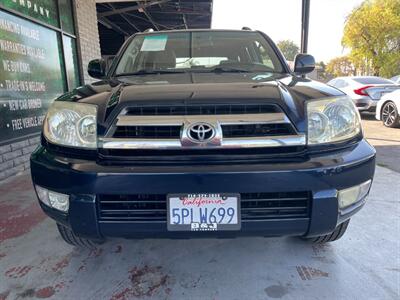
(396,79)
(387,109)
(364,90)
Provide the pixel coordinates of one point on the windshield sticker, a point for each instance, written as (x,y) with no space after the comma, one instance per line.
(154,43)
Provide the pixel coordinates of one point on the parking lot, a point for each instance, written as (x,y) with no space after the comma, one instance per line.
(364,264)
(385,140)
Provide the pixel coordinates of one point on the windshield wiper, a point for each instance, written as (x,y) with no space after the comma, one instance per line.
(228,70)
(150,72)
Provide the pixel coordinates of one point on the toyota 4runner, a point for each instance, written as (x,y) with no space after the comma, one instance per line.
(202,133)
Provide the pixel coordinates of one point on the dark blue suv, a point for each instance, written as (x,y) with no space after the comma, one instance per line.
(202,133)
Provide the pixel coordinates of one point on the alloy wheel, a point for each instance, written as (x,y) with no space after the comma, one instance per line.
(389,114)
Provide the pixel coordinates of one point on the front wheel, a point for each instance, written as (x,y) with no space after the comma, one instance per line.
(330,237)
(390,115)
(69,237)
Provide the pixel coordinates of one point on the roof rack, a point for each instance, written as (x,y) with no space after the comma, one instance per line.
(246,28)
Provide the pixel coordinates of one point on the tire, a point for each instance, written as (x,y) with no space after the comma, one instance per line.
(331,237)
(390,115)
(69,237)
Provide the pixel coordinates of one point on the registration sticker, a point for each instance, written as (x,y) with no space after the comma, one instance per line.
(203,212)
(154,43)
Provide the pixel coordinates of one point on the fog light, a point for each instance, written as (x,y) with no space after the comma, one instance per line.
(43,195)
(354,194)
(59,201)
(53,199)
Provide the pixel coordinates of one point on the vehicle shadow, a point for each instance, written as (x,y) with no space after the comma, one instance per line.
(369,117)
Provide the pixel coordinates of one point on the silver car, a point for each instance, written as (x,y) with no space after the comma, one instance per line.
(364,90)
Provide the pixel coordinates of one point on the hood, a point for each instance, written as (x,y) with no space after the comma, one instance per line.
(287,91)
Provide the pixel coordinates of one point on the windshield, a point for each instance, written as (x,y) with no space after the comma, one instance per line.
(208,51)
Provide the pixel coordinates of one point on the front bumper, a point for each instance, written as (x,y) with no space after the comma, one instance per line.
(320,174)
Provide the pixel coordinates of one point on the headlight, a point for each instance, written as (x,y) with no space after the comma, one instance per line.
(71,124)
(332,120)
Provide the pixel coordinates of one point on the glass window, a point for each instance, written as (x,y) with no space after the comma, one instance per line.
(264,55)
(199,52)
(372,80)
(62,62)
(67,19)
(71,62)
(42,10)
(333,82)
(30,80)
(340,83)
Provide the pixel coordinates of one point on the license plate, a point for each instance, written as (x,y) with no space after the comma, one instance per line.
(203,212)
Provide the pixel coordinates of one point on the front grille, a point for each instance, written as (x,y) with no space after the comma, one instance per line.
(228,131)
(206,109)
(261,206)
(142,207)
(173,127)
(254,206)
(151,130)
(257,130)
(148,132)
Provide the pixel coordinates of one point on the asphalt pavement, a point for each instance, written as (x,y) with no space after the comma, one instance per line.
(385,140)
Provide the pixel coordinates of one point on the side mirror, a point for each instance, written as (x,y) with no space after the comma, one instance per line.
(97,68)
(304,63)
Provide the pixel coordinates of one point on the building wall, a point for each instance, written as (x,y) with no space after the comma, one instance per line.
(14,158)
(88,34)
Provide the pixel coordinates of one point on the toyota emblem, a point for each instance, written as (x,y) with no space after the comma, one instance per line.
(201,132)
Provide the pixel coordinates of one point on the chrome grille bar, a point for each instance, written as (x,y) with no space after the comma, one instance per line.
(227,143)
(183,141)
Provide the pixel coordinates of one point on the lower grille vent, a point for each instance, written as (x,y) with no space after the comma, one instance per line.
(254,206)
